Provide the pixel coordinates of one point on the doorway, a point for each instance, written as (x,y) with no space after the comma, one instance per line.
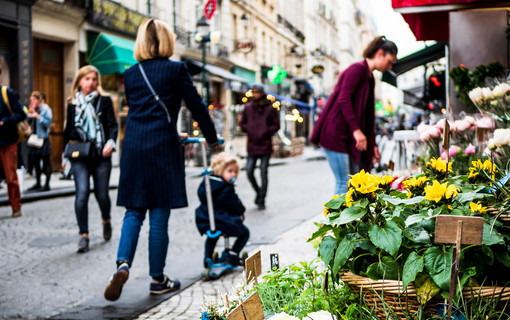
(49,79)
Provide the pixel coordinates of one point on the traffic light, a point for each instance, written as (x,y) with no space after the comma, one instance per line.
(436,87)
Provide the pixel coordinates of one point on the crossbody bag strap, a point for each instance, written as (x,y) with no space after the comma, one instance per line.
(156,96)
(6,99)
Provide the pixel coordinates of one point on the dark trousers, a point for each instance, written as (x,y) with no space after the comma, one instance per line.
(261,189)
(100,170)
(46,167)
(238,230)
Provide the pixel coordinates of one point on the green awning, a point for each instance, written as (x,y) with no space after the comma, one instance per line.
(110,54)
(246,74)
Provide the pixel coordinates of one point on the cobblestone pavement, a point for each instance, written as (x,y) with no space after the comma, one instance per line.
(291,248)
(42,276)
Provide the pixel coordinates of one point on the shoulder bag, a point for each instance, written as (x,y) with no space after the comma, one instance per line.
(82,150)
(24,129)
(156,96)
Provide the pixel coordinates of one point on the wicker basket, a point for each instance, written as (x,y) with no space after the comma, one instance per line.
(407,303)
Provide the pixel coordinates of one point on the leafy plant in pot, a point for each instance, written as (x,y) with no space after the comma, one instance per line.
(380,233)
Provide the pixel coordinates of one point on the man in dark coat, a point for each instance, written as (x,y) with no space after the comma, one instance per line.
(9,146)
(260,121)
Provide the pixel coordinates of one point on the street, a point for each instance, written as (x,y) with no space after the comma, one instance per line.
(42,276)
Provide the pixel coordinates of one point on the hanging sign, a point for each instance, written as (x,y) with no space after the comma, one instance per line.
(209,9)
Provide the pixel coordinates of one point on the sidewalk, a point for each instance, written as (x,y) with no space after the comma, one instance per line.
(186,305)
(61,188)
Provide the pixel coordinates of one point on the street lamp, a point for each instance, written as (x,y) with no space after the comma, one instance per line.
(203,37)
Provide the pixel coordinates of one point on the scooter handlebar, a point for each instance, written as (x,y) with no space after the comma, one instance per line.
(200,140)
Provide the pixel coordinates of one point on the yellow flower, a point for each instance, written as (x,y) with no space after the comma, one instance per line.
(450,207)
(439,165)
(385,180)
(326,211)
(364,182)
(477,207)
(437,191)
(451,191)
(348,197)
(335,196)
(415,182)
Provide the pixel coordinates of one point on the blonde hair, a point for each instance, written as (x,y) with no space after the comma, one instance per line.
(221,161)
(82,73)
(154,40)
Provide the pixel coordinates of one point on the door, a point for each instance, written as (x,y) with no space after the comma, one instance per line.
(49,79)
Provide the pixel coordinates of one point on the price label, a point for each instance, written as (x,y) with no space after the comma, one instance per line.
(275,261)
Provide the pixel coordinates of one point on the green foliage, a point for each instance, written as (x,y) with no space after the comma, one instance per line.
(391,237)
(298,290)
(466,80)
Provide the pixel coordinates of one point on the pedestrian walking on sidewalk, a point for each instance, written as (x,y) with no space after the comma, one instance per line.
(152,165)
(11,113)
(346,126)
(90,118)
(260,121)
(228,209)
(40,116)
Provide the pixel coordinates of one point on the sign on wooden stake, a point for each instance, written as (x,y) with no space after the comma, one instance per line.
(253,267)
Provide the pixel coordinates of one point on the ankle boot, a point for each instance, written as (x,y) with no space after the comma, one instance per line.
(83,245)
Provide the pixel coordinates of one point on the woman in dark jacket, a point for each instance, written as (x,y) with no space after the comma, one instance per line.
(90,117)
(346,126)
(151,165)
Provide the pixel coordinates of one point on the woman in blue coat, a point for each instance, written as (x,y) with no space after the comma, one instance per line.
(151,165)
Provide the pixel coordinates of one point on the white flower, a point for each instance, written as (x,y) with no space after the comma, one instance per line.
(422,128)
(470,120)
(319,315)
(283,316)
(501,137)
(491,144)
(460,125)
(476,95)
(500,90)
(485,122)
(487,94)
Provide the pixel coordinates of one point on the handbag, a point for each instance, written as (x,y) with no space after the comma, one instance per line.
(79,150)
(35,142)
(24,129)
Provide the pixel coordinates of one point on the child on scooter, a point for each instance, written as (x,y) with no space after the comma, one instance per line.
(228,209)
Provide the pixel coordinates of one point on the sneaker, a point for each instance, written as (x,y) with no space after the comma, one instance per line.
(16,214)
(83,245)
(168,285)
(44,189)
(114,288)
(231,259)
(35,187)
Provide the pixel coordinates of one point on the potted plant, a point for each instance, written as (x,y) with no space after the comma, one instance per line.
(379,233)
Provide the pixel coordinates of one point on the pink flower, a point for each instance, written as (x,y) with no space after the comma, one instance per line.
(485,122)
(460,125)
(451,152)
(470,150)
(397,183)
(434,131)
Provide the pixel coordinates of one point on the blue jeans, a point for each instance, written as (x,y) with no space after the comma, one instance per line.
(100,170)
(342,166)
(158,237)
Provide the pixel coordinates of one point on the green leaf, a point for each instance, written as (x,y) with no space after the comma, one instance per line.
(364,203)
(413,265)
(504,258)
(439,265)
(425,287)
(335,203)
(491,237)
(327,249)
(388,238)
(489,253)
(416,218)
(343,252)
(417,234)
(465,274)
(470,196)
(373,271)
(388,268)
(397,201)
(350,214)
(320,232)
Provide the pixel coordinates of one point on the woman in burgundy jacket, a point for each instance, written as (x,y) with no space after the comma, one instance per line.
(346,126)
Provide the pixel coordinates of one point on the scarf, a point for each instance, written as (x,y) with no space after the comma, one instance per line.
(86,121)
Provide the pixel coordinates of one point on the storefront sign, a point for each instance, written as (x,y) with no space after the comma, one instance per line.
(317,69)
(244,45)
(111,15)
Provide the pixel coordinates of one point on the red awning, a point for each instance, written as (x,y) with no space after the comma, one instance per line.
(429,19)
